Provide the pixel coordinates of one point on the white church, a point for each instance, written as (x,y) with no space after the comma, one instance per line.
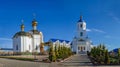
(28,41)
(81,43)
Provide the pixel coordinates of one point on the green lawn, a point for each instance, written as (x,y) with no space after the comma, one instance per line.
(18,58)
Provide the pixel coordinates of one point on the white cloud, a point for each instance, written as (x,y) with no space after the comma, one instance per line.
(88,30)
(6,39)
(97,30)
(115,18)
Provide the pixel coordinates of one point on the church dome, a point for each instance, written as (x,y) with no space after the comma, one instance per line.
(81,20)
(22,26)
(34,22)
(22,33)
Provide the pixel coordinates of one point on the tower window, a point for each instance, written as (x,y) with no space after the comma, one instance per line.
(81,25)
(16,47)
(81,34)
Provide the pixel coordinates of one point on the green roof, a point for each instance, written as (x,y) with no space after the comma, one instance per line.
(22,33)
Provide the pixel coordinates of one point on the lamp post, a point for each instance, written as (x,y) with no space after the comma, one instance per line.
(36,48)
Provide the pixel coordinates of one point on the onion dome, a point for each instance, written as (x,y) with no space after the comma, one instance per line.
(34,23)
(22,32)
(22,27)
(80,19)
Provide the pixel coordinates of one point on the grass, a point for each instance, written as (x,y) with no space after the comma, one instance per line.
(18,58)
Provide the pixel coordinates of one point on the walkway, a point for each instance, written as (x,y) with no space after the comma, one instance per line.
(77,60)
(74,61)
(18,63)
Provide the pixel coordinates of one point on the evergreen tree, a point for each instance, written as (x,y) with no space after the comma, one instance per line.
(56,52)
(119,55)
(59,52)
(107,60)
(52,56)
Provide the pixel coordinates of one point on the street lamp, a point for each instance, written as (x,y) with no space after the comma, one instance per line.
(36,48)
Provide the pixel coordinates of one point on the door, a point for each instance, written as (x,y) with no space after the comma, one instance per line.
(81,48)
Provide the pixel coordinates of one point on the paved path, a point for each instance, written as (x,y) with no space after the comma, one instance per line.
(17,63)
(77,60)
(74,61)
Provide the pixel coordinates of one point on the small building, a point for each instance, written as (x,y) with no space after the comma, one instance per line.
(114,52)
(60,42)
(28,41)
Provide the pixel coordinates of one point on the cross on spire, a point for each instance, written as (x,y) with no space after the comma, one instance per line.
(22,21)
(34,16)
(22,25)
(81,17)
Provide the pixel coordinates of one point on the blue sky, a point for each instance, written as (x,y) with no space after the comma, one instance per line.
(58,18)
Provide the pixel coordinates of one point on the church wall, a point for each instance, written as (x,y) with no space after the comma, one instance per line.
(25,42)
(36,42)
(74,46)
(16,44)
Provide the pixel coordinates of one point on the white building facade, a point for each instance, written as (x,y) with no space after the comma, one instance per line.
(81,43)
(28,41)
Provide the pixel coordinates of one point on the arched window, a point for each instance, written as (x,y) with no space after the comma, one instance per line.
(81,34)
(16,47)
(81,25)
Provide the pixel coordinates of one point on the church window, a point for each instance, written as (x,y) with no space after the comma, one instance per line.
(84,48)
(16,47)
(81,25)
(81,34)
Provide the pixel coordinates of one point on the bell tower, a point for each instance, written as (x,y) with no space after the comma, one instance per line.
(81,29)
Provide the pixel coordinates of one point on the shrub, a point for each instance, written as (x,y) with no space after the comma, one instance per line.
(59,52)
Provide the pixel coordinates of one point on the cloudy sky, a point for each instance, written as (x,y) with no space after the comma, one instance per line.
(58,18)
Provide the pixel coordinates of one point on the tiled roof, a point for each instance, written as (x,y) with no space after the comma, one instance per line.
(115,50)
(54,40)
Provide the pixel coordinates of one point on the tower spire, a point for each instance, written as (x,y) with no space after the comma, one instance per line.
(22,25)
(81,17)
(34,22)
(34,16)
